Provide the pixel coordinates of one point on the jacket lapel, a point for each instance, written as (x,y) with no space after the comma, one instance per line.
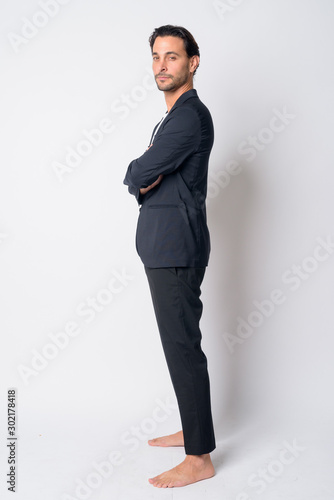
(183,98)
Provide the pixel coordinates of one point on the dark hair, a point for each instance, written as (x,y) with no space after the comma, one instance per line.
(189,41)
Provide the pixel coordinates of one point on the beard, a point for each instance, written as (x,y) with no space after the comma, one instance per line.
(173,82)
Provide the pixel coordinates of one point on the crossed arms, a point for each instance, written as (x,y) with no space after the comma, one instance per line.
(179,138)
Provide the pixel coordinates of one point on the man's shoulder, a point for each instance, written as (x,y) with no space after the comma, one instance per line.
(189,115)
(190,104)
(182,119)
(196,111)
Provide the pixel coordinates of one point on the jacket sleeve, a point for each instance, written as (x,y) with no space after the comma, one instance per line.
(136,192)
(179,138)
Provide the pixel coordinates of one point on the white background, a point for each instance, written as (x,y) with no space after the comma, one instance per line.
(63,237)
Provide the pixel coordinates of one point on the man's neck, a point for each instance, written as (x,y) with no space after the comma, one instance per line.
(171,96)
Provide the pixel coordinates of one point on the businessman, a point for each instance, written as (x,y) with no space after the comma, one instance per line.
(169,182)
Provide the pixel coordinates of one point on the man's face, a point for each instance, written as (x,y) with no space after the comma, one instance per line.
(171,66)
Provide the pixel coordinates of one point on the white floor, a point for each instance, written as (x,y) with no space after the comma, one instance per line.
(52,461)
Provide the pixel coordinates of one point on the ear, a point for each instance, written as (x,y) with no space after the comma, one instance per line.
(194,63)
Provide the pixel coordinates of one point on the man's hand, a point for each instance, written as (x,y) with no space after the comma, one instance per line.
(155,183)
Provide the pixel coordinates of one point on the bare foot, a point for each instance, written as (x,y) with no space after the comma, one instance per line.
(194,468)
(171,440)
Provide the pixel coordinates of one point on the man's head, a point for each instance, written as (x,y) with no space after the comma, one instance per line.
(175,57)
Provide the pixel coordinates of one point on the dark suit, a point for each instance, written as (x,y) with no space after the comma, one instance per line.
(174,244)
(172,229)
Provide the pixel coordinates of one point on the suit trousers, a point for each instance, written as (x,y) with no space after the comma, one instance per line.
(176,300)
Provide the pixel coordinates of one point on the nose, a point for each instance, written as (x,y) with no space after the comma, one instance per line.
(161,66)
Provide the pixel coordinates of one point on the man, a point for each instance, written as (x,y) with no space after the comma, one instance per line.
(169,181)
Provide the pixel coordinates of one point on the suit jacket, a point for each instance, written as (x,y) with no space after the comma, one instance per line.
(172,227)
